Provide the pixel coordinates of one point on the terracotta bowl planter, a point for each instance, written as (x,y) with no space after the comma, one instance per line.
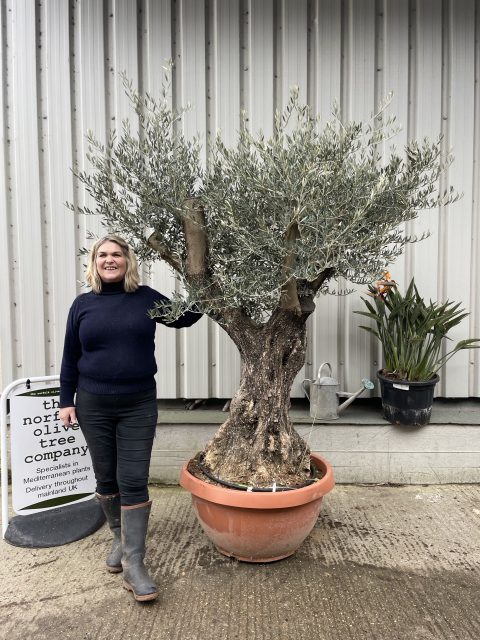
(258,527)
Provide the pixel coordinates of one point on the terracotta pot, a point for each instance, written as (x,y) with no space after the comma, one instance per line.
(258,527)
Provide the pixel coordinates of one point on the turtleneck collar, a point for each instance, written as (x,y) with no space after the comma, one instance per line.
(110,288)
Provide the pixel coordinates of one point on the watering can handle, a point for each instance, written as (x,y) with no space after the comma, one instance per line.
(305,388)
(324,364)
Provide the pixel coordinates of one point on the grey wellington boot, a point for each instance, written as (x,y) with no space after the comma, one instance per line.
(134,531)
(111,508)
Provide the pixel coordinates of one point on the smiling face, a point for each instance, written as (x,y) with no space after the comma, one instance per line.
(111,262)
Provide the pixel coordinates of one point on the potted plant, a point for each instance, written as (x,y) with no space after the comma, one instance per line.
(254,236)
(413,335)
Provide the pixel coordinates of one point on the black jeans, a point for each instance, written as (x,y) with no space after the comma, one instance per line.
(119,430)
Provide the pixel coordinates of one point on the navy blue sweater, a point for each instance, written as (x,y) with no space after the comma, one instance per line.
(110,342)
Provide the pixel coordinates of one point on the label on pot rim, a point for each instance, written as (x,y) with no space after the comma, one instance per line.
(402,387)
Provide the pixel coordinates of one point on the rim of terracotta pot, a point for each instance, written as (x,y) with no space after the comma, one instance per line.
(261,500)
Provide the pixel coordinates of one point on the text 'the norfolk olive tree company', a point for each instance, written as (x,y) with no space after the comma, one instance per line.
(255,235)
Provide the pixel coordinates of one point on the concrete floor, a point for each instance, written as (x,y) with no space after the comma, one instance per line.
(382,563)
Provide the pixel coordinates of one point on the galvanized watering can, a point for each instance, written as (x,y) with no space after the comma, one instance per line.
(324,394)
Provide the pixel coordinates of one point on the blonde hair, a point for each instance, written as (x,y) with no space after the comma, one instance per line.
(132,276)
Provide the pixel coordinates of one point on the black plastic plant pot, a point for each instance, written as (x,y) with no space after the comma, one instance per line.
(406,402)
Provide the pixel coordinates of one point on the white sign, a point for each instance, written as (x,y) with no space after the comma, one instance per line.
(51,464)
(402,387)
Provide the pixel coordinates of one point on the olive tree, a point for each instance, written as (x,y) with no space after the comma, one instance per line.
(255,235)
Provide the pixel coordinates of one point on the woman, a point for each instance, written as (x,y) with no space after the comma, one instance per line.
(109,365)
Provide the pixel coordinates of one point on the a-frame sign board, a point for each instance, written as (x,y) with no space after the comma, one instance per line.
(52,477)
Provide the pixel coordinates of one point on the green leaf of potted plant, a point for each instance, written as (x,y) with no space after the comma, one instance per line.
(412,334)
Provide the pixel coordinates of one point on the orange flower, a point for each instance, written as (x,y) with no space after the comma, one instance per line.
(383,285)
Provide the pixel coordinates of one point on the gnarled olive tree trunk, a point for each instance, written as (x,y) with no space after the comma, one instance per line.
(258,444)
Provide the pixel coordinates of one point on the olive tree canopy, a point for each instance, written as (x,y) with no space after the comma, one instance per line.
(256,234)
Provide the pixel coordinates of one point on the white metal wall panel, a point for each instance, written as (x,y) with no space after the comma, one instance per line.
(426,121)
(194,347)
(294,37)
(60,77)
(326,76)
(224,109)
(92,98)
(261,71)
(156,52)
(123,25)
(393,76)
(28,265)
(474,206)
(359,104)
(7,334)
(157,41)
(292,24)
(428,87)
(60,241)
(456,245)
(324,326)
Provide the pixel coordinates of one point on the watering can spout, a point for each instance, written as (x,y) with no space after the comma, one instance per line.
(366,384)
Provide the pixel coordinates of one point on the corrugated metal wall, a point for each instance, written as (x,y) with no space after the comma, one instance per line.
(60,61)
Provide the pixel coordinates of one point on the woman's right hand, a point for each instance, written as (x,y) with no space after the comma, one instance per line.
(68,416)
